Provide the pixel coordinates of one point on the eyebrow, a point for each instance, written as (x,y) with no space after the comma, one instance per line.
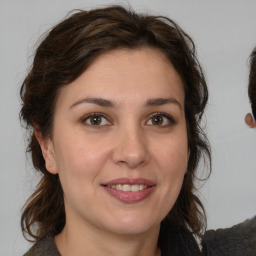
(96,101)
(163,101)
(107,103)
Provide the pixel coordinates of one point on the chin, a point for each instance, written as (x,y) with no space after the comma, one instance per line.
(134,226)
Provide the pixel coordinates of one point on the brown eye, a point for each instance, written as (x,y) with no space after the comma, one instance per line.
(157,120)
(161,120)
(95,120)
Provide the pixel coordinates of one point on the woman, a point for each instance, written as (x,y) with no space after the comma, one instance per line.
(114,100)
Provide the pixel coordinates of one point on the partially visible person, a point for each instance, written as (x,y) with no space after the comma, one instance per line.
(240,239)
(250,118)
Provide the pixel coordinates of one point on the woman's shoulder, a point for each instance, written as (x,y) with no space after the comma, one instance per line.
(45,246)
(237,240)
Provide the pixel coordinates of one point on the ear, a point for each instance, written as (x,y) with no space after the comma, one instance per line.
(47,148)
(249,120)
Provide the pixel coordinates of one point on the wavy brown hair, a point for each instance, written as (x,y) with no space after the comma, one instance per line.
(252,82)
(65,53)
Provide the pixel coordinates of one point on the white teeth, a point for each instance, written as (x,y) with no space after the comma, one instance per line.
(118,187)
(128,187)
(141,187)
(135,188)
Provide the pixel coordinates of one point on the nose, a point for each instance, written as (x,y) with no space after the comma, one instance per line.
(131,148)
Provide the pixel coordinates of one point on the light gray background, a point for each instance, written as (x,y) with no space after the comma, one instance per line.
(224,33)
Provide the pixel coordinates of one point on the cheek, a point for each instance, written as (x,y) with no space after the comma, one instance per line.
(172,159)
(171,165)
(80,161)
(78,167)
(172,155)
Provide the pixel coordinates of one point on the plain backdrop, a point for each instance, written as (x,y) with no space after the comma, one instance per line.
(224,33)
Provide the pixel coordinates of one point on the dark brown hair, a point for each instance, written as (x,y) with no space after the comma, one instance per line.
(252,82)
(64,54)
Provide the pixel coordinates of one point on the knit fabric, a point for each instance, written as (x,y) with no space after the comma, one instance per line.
(44,247)
(239,240)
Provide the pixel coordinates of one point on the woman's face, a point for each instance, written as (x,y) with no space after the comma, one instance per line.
(119,142)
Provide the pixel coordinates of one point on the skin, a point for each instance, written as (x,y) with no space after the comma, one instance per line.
(249,120)
(125,143)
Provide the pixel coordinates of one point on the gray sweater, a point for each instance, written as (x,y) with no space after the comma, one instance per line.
(239,240)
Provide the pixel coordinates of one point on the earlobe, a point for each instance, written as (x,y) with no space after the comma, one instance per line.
(47,148)
(249,120)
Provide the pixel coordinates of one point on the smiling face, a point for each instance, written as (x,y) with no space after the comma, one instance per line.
(119,142)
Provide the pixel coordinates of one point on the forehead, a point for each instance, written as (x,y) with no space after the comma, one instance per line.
(127,75)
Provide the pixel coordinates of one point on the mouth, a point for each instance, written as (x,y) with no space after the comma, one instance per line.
(129,190)
(128,187)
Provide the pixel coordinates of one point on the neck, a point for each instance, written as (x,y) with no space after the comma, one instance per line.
(81,241)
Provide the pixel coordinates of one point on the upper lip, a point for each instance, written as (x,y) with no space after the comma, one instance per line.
(129,182)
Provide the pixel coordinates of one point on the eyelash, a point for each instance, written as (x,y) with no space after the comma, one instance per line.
(169,118)
(101,115)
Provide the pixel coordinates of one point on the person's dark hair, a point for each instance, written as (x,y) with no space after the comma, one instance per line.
(252,82)
(64,54)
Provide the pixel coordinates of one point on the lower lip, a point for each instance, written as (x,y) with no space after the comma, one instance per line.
(130,197)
